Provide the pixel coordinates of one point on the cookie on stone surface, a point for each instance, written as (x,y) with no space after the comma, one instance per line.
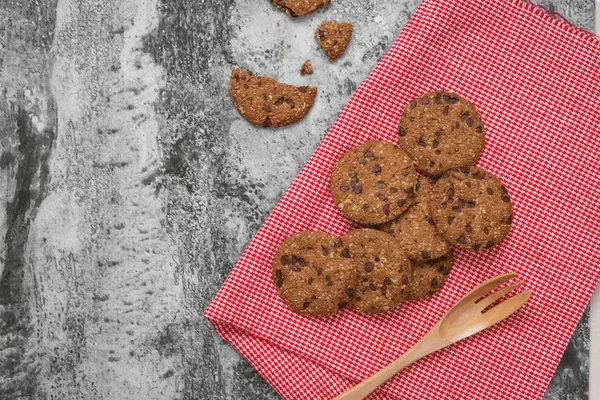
(265,102)
(306,68)
(428,277)
(415,231)
(313,273)
(383,270)
(441,131)
(334,37)
(471,208)
(374,182)
(298,8)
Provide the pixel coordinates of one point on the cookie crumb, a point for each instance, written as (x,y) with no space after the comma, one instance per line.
(306,68)
(334,37)
(278,24)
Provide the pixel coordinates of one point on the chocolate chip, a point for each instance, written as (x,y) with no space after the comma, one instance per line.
(413,104)
(279,274)
(461,204)
(369,154)
(393,190)
(476,246)
(412,119)
(303,89)
(246,86)
(321,35)
(402,131)
(490,191)
(342,304)
(425,100)
(435,144)
(372,286)
(237,77)
(451,219)
(368,267)
(324,251)
(461,240)
(358,189)
(409,190)
(352,174)
(421,143)
(338,243)
(381,185)
(344,188)
(387,281)
(509,220)
(457,125)
(401,203)
(319,271)
(244,77)
(450,100)
(381,197)
(386,209)
(446,110)
(437,99)
(438,152)
(486,230)
(353,185)
(489,244)
(384,290)
(346,253)
(376,169)
(302,262)
(349,292)
(470,204)
(434,283)
(469,122)
(464,116)
(267,108)
(363,289)
(279,102)
(391,232)
(358,298)
(425,254)
(310,280)
(267,123)
(479,129)
(295,268)
(279,282)
(439,132)
(505,199)
(306,304)
(468,228)
(431,163)
(285,260)
(442,269)
(404,280)
(443,205)
(313,297)
(450,194)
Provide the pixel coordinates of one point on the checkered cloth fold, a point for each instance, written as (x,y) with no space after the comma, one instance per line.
(536,82)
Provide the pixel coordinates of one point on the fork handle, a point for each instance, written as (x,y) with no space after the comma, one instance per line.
(358,392)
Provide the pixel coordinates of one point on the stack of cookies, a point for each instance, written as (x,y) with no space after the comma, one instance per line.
(414,221)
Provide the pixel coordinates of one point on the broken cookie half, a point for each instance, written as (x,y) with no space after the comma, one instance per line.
(298,8)
(268,103)
(333,37)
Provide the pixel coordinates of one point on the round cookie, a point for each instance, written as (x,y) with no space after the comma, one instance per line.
(428,277)
(265,102)
(441,131)
(313,273)
(471,208)
(373,183)
(383,270)
(415,231)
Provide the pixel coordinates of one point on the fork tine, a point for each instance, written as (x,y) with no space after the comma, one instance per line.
(506,308)
(488,301)
(488,285)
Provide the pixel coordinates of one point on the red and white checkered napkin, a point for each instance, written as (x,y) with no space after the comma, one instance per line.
(536,82)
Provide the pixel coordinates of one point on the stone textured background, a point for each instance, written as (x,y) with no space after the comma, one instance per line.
(129,185)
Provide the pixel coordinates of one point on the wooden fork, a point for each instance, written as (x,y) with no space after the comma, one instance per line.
(470,315)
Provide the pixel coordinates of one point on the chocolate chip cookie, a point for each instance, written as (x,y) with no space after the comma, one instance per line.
(265,102)
(428,277)
(306,68)
(334,37)
(471,208)
(415,231)
(374,182)
(441,131)
(383,270)
(298,8)
(314,274)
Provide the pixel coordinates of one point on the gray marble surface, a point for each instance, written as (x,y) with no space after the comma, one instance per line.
(130,186)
